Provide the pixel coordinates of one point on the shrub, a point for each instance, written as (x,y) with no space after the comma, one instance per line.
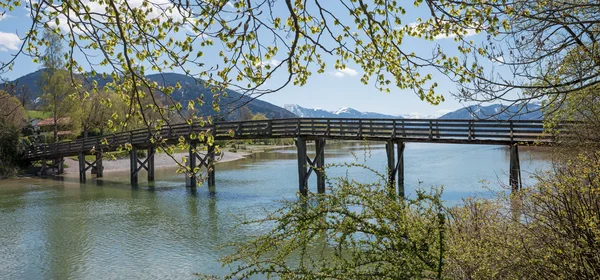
(556,236)
(355,231)
(10,148)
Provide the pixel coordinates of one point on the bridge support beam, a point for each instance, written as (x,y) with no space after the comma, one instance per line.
(395,166)
(44,167)
(400,168)
(191,178)
(84,166)
(210,154)
(306,166)
(99,167)
(515,169)
(319,163)
(81,159)
(302,173)
(60,165)
(133,166)
(150,169)
(207,161)
(136,165)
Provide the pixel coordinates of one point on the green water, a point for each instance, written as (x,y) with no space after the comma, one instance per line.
(51,229)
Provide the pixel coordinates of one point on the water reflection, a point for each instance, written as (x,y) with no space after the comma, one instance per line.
(106,229)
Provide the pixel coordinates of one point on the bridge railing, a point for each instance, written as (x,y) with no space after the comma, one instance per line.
(459,131)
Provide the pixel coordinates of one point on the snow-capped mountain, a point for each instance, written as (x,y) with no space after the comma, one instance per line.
(418,116)
(344,112)
(530,111)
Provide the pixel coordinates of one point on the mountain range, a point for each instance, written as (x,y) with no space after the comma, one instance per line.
(495,111)
(344,112)
(525,111)
(190,90)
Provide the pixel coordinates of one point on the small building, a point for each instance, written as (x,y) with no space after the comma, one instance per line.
(46,126)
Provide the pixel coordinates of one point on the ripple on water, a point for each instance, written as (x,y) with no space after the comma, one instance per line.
(63,230)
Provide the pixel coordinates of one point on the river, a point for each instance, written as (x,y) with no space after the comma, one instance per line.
(105,229)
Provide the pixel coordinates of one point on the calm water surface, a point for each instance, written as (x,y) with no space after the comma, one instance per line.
(52,229)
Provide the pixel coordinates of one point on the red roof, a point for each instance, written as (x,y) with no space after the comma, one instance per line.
(50,121)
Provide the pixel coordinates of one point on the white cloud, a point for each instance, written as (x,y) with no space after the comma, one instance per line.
(161,9)
(271,62)
(499,59)
(191,30)
(230,4)
(340,73)
(9,41)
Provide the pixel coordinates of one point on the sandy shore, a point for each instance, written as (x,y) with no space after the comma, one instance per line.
(162,160)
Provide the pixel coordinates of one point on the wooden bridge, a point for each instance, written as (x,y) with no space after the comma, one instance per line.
(394,132)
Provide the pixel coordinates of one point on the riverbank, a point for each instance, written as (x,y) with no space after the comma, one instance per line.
(163,160)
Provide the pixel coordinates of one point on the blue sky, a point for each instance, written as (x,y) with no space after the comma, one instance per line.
(332,90)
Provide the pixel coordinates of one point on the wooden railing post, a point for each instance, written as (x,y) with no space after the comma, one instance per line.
(393,129)
(270,127)
(470,132)
(511,132)
(403,130)
(430,129)
(297,127)
(328,131)
(360,128)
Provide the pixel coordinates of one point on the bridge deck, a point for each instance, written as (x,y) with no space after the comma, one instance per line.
(405,130)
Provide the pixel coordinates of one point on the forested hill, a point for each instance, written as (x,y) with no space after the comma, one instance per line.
(190,90)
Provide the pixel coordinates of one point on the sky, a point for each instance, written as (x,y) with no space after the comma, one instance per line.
(330,91)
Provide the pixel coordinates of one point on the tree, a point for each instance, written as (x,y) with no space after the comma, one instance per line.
(58,94)
(12,120)
(257,39)
(529,46)
(101,111)
(11,110)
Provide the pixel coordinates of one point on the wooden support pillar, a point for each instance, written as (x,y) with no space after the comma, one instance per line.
(515,169)
(191,179)
(61,165)
(391,165)
(82,167)
(99,166)
(211,165)
(320,164)
(150,165)
(133,166)
(302,180)
(400,167)
(44,167)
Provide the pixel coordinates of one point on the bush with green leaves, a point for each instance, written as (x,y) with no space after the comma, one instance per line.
(354,231)
(556,235)
(10,148)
